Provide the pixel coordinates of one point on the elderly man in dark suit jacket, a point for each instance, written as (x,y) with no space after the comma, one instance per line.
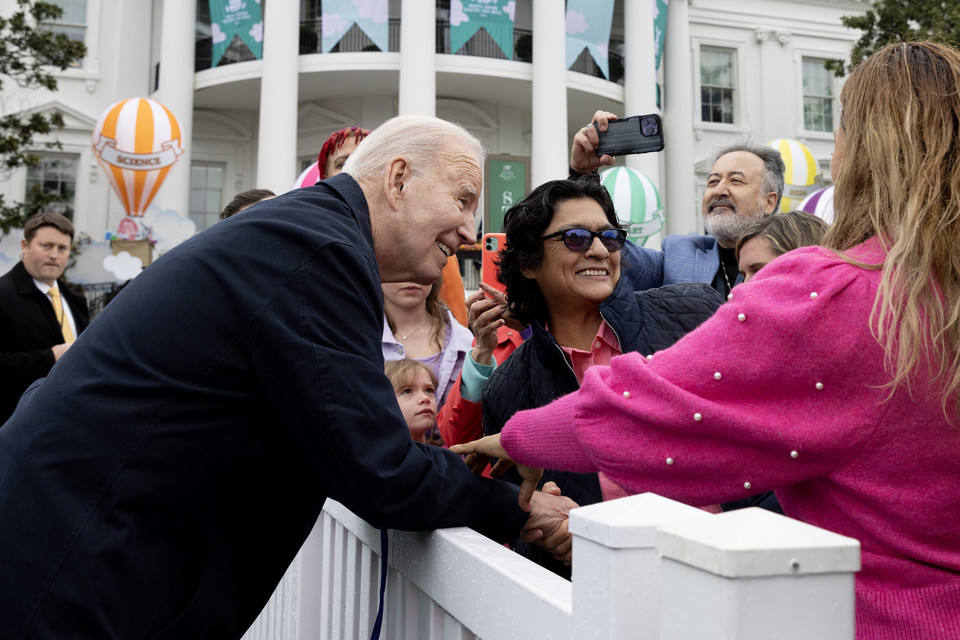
(159,481)
(38,319)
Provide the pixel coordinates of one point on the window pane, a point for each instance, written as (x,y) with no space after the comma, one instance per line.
(206,192)
(74,11)
(717,85)
(213,201)
(56,175)
(198,177)
(196,200)
(817,96)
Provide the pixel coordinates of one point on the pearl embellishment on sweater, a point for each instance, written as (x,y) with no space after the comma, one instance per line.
(650,357)
(819,386)
(813,295)
(717,376)
(747,485)
(730,296)
(626,394)
(697,417)
(742,317)
(669,460)
(794,454)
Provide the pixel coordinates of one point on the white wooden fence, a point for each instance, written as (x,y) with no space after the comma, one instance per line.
(643,567)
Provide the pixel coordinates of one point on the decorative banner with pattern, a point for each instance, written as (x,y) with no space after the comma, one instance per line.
(229,18)
(588,27)
(496,16)
(659,26)
(371,16)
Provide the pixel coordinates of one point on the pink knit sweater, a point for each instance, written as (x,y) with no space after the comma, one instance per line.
(784,389)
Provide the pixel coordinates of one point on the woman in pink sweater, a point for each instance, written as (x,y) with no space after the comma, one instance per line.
(831,378)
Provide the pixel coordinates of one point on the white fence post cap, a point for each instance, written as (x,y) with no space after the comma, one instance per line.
(755,542)
(631,522)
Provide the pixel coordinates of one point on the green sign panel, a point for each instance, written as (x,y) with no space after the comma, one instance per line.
(507,179)
(230,18)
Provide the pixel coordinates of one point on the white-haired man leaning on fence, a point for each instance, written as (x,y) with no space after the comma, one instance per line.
(159,481)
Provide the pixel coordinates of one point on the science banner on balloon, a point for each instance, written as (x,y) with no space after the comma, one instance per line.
(137,141)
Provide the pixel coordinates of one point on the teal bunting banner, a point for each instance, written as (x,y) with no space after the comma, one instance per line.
(588,27)
(372,16)
(659,26)
(469,16)
(230,18)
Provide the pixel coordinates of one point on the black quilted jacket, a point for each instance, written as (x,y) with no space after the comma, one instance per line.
(538,372)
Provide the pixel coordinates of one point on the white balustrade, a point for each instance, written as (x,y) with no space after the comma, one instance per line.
(644,567)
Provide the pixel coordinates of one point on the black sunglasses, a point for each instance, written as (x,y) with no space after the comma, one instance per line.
(581,239)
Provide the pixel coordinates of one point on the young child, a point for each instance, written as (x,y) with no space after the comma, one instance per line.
(416,387)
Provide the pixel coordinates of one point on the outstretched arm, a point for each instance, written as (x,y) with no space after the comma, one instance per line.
(481,452)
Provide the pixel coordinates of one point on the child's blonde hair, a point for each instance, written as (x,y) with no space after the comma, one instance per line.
(402,372)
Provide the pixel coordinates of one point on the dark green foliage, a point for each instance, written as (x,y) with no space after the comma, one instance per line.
(900,21)
(29,54)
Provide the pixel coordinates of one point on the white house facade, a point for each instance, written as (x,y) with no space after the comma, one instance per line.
(727,65)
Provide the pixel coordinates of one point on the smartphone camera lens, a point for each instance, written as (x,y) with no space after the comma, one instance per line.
(648,126)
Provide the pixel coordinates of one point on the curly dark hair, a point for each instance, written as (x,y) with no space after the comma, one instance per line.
(524,225)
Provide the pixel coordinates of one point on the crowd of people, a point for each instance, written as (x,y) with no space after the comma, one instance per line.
(776,361)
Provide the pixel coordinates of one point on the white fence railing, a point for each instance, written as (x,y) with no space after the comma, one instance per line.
(643,566)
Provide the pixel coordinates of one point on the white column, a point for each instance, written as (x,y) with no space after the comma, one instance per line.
(550,146)
(616,569)
(175,91)
(640,77)
(277,137)
(681,201)
(418,66)
(753,574)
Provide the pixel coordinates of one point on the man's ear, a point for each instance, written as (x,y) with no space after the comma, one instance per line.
(771,203)
(530,274)
(395,180)
(23,244)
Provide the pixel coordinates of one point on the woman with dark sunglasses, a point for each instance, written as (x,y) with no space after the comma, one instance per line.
(562,270)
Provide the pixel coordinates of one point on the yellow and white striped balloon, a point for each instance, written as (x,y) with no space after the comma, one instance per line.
(137,141)
(802,175)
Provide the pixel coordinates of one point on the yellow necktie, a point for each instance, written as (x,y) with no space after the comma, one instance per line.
(68,336)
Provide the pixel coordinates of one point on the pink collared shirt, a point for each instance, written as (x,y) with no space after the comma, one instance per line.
(605,346)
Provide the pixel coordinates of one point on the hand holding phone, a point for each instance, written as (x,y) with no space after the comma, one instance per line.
(492,244)
(636,134)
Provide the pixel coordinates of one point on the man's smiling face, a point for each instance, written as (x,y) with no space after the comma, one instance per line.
(734,198)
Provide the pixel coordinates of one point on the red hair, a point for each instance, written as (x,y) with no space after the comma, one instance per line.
(336,141)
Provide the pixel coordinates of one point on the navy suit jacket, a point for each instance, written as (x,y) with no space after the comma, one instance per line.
(692,259)
(28,328)
(159,481)
(682,259)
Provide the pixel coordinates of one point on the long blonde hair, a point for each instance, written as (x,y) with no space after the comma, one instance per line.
(899,181)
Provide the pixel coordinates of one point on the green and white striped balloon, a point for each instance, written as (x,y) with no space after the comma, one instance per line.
(636,201)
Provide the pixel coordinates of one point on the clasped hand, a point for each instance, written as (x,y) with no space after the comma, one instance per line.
(549,511)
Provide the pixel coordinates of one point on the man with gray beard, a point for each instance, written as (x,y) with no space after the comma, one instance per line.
(744,185)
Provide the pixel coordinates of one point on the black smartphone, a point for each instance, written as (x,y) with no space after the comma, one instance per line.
(636,134)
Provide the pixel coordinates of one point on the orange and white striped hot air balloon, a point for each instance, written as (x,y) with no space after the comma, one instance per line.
(137,142)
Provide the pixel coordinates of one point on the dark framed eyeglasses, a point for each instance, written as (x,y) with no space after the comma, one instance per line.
(581,239)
